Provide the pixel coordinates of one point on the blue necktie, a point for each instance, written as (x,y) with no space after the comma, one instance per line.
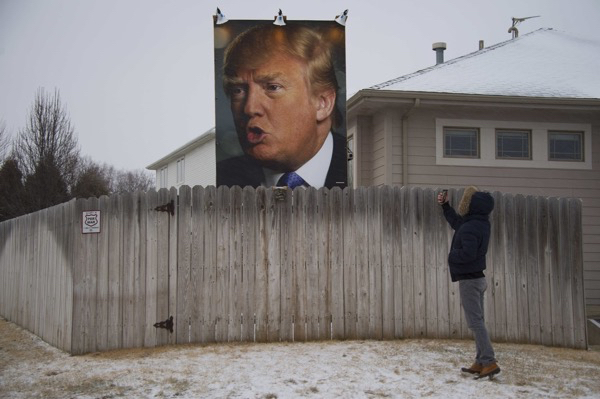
(291,179)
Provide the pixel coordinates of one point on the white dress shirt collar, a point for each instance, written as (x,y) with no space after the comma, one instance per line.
(314,172)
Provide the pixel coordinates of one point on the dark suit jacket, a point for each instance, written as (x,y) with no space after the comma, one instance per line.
(245,171)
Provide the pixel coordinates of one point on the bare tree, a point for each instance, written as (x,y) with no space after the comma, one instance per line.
(133,180)
(93,180)
(4,141)
(48,141)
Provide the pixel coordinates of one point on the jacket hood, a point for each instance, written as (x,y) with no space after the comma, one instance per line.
(474,202)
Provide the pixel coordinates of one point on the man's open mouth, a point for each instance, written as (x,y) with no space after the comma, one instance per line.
(254,135)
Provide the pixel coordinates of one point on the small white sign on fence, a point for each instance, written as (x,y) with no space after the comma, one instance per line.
(90,222)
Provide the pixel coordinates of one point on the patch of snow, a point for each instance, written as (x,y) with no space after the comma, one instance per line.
(332,369)
(544,63)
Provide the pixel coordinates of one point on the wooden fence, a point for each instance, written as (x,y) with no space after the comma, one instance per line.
(272,264)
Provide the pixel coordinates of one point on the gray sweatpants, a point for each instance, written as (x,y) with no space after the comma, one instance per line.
(471,296)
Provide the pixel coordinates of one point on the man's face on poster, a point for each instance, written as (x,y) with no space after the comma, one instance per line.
(280,122)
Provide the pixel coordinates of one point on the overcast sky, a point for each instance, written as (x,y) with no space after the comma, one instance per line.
(136,76)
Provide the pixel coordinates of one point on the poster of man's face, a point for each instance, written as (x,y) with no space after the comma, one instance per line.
(280,104)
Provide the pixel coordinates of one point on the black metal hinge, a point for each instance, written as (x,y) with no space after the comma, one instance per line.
(167,324)
(170,207)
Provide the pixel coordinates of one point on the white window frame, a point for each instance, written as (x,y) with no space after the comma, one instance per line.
(163,177)
(180,175)
(539,144)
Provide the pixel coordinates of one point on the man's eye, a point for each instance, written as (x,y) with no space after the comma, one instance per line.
(237,91)
(273,87)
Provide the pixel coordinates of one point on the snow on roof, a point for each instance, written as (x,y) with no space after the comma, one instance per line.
(544,63)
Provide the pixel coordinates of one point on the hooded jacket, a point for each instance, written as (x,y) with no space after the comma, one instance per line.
(471,234)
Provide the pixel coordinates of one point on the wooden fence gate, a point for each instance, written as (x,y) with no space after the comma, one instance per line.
(275,264)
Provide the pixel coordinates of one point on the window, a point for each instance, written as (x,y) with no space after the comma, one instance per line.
(513,144)
(565,146)
(162,177)
(181,170)
(461,142)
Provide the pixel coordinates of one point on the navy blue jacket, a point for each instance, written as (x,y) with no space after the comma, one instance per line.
(471,237)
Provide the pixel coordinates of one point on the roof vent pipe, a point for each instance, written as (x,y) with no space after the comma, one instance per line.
(481,46)
(439,48)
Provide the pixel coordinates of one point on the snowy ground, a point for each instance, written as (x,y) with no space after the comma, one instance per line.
(29,368)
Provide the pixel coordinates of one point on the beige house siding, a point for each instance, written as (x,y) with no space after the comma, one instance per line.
(379,150)
(424,171)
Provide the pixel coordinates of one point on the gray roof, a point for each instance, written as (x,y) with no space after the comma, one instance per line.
(544,63)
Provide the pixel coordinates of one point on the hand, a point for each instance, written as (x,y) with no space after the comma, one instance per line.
(442,197)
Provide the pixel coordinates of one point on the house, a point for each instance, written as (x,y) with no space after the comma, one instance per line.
(192,164)
(522,116)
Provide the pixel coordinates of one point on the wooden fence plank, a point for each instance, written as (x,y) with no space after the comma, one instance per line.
(420,311)
(545,271)
(489,298)
(250,239)
(522,244)
(395,217)
(498,240)
(235,271)
(408,287)
(387,263)
(362,262)
(374,263)
(312,265)
(430,219)
(163,243)
(140,270)
(199,297)
(442,241)
(510,243)
(129,265)
(576,256)
(172,275)
(286,274)
(532,266)
(90,265)
(148,210)
(209,280)
(556,296)
(102,276)
(299,264)
(261,271)
(183,317)
(222,276)
(350,253)
(336,240)
(566,274)
(273,271)
(323,265)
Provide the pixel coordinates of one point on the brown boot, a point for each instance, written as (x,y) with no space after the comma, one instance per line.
(489,370)
(474,369)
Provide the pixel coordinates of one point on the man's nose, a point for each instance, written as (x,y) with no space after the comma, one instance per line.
(254,102)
